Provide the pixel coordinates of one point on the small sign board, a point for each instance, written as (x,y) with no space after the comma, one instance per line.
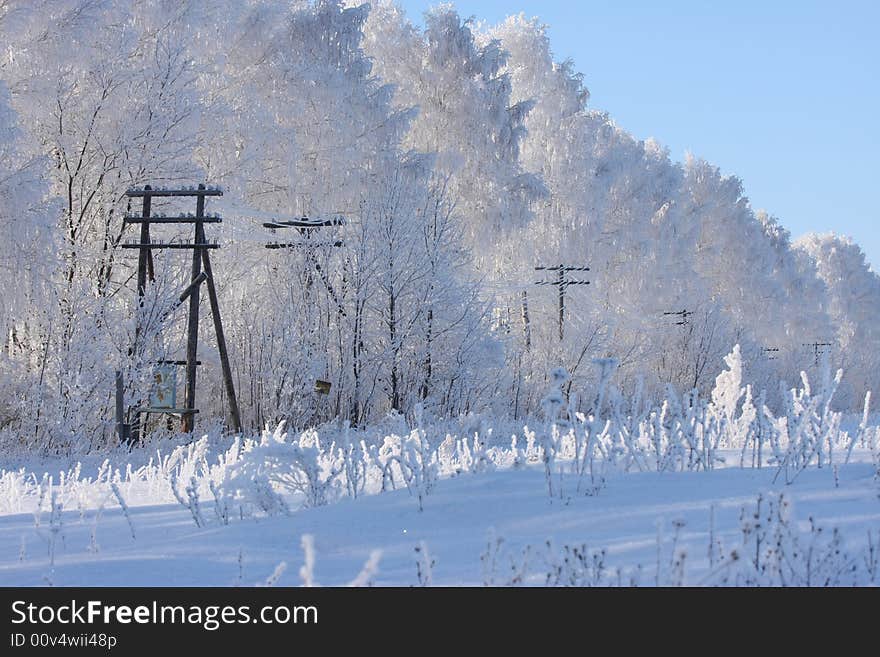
(323,387)
(163,393)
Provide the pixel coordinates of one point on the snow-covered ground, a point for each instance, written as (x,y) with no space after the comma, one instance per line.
(634,518)
(708,492)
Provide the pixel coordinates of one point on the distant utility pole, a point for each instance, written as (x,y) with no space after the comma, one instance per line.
(306,228)
(818,348)
(771,353)
(683,316)
(562,283)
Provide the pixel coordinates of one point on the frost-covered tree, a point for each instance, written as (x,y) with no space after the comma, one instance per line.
(26,265)
(465,115)
(105,89)
(459,157)
(25,234)
(854,292)
(612,205)
(306,128)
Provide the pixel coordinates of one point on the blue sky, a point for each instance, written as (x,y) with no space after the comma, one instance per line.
(783,94)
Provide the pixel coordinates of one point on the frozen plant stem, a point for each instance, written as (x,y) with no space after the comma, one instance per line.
(118,494)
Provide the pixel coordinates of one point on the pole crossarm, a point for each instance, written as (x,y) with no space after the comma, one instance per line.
(306,223)
(684,314)
(149,192)
(182,219)
(771,353)
(307,245)
(562,268)
(565,284)
(170,246)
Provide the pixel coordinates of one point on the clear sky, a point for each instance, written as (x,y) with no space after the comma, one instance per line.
(783,94)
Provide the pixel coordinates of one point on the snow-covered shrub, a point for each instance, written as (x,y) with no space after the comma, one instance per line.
(682,435)
(313,471)
(811,429)
(368,572)
(277,466)
(866,436)
(221,504)
(554,402)
(56,525)
(456,456)
(191,501)
(414,461)
(356,462)
(594,446)
(550,439)
(762,434)
(114,487)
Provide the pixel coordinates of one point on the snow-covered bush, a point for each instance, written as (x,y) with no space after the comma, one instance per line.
(550,438)
(278,472)
(414,462)
(277,466)
(811,429)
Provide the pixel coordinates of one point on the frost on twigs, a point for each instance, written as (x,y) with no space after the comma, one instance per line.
(272,579)
(118,495)
(368,573)
(414,461)
(811,428)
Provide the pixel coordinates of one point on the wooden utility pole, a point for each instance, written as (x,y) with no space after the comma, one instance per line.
(228,383)
(306,228)
(526,320)
(122,428)
(771,353)
(192,324)
(563,284)
(308,245)
(201,273)
(145,254)
(818,349)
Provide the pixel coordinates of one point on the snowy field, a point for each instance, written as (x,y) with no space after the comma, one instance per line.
(688,492)
(483,526)
(634,520)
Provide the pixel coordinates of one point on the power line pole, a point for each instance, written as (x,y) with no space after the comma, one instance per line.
(563,284)
(202,272)
(526,320)
(818,349)
(771,353)
(306,228)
